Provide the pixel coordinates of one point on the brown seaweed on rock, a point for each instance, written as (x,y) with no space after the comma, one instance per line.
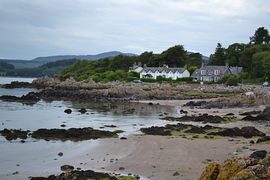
(254,167)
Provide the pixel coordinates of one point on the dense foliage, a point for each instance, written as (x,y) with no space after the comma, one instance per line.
(254,57)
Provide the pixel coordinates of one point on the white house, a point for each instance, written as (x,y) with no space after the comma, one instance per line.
(166,72)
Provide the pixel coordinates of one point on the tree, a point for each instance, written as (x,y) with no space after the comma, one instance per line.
(194,59)
(261,36)
(219,57)
(233,53)
(174,56)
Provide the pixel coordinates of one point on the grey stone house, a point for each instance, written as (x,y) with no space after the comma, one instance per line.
(214,73)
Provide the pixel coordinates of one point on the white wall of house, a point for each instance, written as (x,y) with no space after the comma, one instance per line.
(170,74)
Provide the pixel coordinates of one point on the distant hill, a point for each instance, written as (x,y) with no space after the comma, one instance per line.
(85,57)
(18,64)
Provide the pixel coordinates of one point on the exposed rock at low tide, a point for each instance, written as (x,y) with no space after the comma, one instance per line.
(68,111)
(262,116)
(30,98)
(253,167)
(14,134)
(182,129)
(17,84)
(83,175)
(205,118)
(73,134)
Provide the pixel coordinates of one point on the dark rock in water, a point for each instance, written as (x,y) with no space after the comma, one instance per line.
(67,168)
(246,132)
(30,98)
(75,134)
(60,154)
(230,114)
(183,111)
(263,139)
(82,110)
(176,174)
(110,126)
(78,175)
(14,134)
(123,138)
(249,118)
(17,84)
(258,154)
(63,125)
(121,168)
(68,111)
(150,104)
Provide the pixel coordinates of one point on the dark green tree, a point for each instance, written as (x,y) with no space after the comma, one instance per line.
(174,56)
(261,36)
(194,59)
(233,53)
(219,57)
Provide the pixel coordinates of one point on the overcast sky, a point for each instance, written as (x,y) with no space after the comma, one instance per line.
(31,28)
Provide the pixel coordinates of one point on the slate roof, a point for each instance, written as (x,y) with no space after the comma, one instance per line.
(222,69)
(236,70)
(161,69)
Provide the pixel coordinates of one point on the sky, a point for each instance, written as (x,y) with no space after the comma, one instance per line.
(32,28)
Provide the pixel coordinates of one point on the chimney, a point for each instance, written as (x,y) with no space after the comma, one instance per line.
(202,64)
(227,64)
(144,66)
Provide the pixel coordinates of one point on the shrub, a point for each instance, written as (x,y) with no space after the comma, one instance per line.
(230,80)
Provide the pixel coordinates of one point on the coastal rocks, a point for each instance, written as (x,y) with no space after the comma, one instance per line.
(252,167)
(246,132)
(17,84)
(82,110)
(185,129)
(68,111)
(258,154)
(72,134)
(14,134)
(205,118)
(83,175)
(67,168)
(30,98)
(262,116)
(263,139)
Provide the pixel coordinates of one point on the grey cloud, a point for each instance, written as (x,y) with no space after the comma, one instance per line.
(43,27)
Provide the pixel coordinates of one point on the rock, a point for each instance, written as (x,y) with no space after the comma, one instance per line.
(195,103)
(239,168)
(60,154)
(246,132)
(123,138)
(156,131)
(74,134)
(176,174)
(205,118)
(68,111)
(28,99)
(67,168)
(82,110)
(263,139)
(110,126)
(63,125)
(17,84)
(81,175)
(250,113)
(258,154)
(230,114)
(14,134)
(121,168)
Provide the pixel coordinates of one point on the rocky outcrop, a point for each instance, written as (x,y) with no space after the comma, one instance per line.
(205,118)
(262,116)
(72,134)
(83,175)
(254,167)
(17,84)
(30,98)
(183,129)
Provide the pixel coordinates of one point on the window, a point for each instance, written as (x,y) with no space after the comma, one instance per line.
(217,72)
(203,72)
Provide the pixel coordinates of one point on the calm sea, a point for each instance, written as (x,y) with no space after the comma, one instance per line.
(37,156)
